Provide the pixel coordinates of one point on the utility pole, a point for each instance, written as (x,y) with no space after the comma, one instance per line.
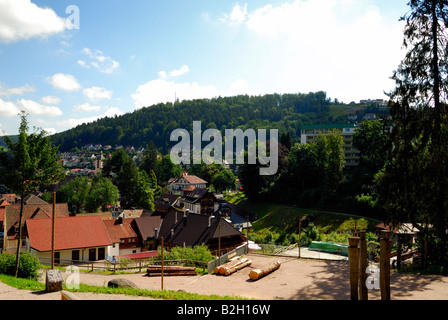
(162,267)
(52,230)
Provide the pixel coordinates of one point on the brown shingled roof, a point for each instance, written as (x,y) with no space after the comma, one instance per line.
(31,211)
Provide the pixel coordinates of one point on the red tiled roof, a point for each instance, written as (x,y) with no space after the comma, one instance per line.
(2,217)
(70,233)
(118,231)
(194,179)
(4,203)
(140,255)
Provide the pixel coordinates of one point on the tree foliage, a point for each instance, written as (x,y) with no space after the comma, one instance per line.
(413,186)
(286,112)
(26,164)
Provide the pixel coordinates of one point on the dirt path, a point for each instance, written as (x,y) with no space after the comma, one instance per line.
(295,280)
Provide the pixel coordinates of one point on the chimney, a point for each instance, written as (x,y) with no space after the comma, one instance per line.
(156,232)
(185,217)
(210,221)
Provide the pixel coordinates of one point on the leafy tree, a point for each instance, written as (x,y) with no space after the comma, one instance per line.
(28,163)
(75,193)
(286,140)
(224,180)
(166,169)
(135,190)
(335,159)
(413,186)
(149,158)
(370,139)
(102,194)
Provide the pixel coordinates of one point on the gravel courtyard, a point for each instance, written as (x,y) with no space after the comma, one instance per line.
(294,280)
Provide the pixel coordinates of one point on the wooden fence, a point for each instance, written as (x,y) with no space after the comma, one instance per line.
(136,266)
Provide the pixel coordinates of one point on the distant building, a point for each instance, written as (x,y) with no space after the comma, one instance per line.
(189,182)
(310,133)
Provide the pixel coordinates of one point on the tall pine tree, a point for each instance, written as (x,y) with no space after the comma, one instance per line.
(413,186)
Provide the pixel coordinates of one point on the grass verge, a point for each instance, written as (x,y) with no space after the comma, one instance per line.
(34,285)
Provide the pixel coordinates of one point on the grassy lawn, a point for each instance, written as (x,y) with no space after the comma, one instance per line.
(34,285)
(277,217)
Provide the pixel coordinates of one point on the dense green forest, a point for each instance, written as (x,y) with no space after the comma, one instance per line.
(287,113)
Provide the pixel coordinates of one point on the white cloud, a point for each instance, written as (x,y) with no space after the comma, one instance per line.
(51,100)
(99,61)
(22,19)
(86,107)
(35,108)
(73,122)
(237,16)
(16,91)
(323,48)
(65,82)
(50,131)
(96,94)
(162,91)
(84,64)
(8,109)
(176,73)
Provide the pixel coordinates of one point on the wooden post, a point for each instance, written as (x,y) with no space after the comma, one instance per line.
(385,248)
(399,248)
(219,243)
(363,292)
(247,233)
(353,257)
(162,267)
(52,230)
(300,231)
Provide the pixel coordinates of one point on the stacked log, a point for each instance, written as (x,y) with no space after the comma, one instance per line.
(233,266)
(170,271)
(242,264)
(260,273)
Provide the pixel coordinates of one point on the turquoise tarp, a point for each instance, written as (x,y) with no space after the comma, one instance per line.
(330,247)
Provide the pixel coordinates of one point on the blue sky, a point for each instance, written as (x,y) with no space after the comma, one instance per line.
(124,55)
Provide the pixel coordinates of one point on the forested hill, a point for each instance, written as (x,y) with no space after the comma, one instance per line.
(287,112)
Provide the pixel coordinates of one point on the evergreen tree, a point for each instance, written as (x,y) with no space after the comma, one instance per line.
(26,164)
(413,185)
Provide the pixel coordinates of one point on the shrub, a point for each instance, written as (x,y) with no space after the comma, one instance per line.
(197,253)
(29,265)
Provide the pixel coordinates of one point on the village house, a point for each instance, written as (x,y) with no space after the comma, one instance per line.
(189,182)
(33,208)
(172,200)
(147,229)
(190,229)
(200,201)
(77,239)
(123,237)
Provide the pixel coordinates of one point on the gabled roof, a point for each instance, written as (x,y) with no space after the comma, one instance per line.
(196,195)
(195,229)
(2,217)
(70,233)
(146,224)
(4,203)
(119,229)
(194,179)
(32,199)
(12,214)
